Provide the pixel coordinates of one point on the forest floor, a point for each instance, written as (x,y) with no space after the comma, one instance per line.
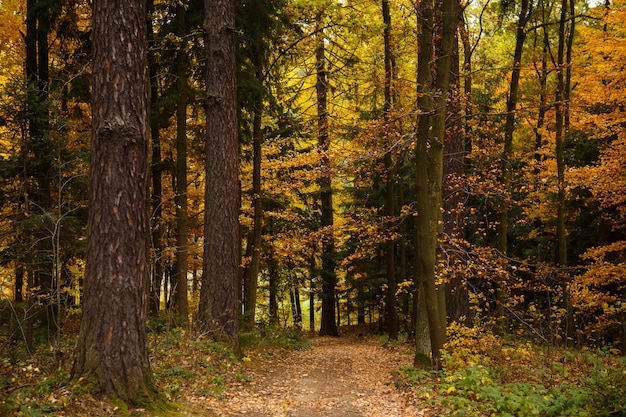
(336,377)
(284,374)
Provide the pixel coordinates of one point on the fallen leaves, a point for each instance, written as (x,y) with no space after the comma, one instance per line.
(336,377)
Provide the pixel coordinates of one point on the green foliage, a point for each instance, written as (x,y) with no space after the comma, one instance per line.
(410,376)
(476,388)
(34,400)
(505,376)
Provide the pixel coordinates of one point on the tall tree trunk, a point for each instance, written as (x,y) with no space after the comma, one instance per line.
(561,96)
(392,314)
(112,348)
(254,242)
(179,288)
(156,171)
(457,297)
(425,234)
(329,278)
(567,302)
(432,102)
(39,145)
(218,309)
(509,127)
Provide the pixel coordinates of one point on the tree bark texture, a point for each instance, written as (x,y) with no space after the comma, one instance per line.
(219,305)
(112,346)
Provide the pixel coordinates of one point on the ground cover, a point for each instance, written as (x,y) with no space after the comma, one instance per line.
(285,374)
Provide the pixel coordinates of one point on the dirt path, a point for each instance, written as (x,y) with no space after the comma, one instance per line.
(337,377)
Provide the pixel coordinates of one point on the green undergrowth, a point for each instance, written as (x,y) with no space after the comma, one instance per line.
(487,375)
(273,337)
(184,366)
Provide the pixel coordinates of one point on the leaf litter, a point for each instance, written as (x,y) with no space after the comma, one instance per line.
(337,377)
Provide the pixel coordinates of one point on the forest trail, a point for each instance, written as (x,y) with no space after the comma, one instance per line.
(337,377)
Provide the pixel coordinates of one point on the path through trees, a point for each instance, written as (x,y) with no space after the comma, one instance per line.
(337,377)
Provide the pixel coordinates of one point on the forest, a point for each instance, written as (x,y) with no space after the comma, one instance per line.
(313,207)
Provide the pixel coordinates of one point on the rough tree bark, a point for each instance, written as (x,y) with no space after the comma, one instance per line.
(219,304)
(112,348)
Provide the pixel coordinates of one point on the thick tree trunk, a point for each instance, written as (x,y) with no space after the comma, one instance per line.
(112,347)
(218,310)
(329,278)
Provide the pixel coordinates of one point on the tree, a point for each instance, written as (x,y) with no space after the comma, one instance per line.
(561,98)
(179,274)
(260,30)
(329,277)
(454,216)
(392,314)
(218,310)
(525,13)
(156,173)
(429,148)
(112,347)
